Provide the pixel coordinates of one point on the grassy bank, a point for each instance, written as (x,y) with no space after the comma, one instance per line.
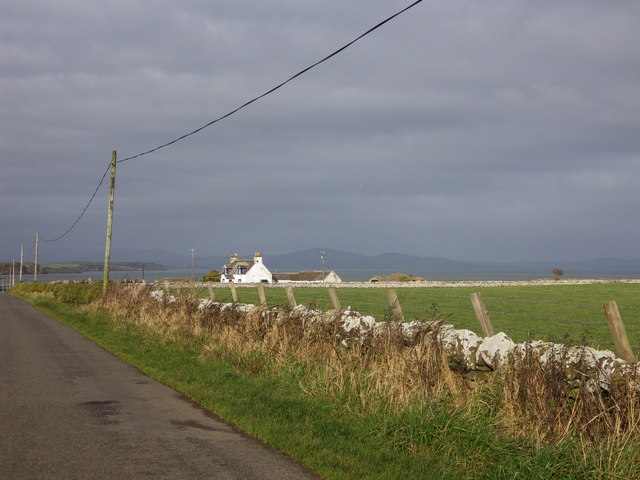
(379,411)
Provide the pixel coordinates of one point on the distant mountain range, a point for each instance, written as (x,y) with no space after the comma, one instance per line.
(347,261)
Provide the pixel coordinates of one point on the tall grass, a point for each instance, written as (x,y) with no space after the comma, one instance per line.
(378,372)
(385,371)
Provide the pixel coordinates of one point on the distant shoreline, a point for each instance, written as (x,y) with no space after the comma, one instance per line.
(80,268)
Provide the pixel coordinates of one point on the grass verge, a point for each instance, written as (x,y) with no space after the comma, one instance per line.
(339,434)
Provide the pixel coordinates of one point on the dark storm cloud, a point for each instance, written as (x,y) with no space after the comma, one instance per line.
(489,130)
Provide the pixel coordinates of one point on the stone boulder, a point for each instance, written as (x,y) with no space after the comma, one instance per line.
(463,345)
(494,350)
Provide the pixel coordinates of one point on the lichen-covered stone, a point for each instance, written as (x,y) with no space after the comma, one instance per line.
(463,345)
(494,350)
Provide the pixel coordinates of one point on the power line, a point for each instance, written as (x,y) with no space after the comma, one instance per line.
(301,72)
(33,245)
(246,104)
(83,211)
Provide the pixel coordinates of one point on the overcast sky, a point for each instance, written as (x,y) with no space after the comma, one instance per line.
(484,129)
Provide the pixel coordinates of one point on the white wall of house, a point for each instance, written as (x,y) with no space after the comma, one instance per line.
(332,277)
(258,274)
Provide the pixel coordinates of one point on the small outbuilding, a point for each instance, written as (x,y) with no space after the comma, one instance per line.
(307,277)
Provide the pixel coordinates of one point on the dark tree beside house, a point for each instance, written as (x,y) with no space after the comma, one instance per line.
(212,276)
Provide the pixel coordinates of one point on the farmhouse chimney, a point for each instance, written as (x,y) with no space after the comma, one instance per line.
(257,258)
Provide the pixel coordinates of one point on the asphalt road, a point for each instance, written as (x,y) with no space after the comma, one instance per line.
(71,410)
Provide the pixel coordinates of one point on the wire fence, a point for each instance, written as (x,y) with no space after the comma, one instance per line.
(521,318)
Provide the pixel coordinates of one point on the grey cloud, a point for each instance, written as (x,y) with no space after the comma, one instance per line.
(461,129)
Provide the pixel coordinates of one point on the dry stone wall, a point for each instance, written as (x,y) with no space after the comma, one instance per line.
(464,347)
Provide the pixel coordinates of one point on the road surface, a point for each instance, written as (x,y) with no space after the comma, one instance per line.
(71,410)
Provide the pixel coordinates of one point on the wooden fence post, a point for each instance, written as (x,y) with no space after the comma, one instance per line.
(396,309)
(234,294)
(618,332)
(261,294)
(290,296)
(482,315)
(334,299)
(212,294)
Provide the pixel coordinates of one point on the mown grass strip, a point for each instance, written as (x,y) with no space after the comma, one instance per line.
(425,441)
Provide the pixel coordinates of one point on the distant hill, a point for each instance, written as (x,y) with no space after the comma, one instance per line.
(60,268)
(146,255)
(79,267)
(392,262)
(338,260)
(348,261)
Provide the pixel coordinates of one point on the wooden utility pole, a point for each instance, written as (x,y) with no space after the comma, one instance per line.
(21,259)
(107,247)
(35,268)
(193,274)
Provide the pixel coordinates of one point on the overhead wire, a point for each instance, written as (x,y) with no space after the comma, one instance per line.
(33,245)
(246,104)
(104,175)
(280,85)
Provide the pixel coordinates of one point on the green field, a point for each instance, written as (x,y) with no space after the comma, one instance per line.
(551,312)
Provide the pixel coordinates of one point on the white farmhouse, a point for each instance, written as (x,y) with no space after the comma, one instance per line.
(246,271)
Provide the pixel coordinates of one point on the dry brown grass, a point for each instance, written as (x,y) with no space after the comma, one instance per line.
(385,371)
(550,402)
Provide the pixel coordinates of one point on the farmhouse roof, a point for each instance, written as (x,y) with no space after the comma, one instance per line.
(233,268)
(309,276)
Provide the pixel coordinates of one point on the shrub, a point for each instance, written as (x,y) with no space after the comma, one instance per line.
(212,276)
(78,293)
(32,287)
